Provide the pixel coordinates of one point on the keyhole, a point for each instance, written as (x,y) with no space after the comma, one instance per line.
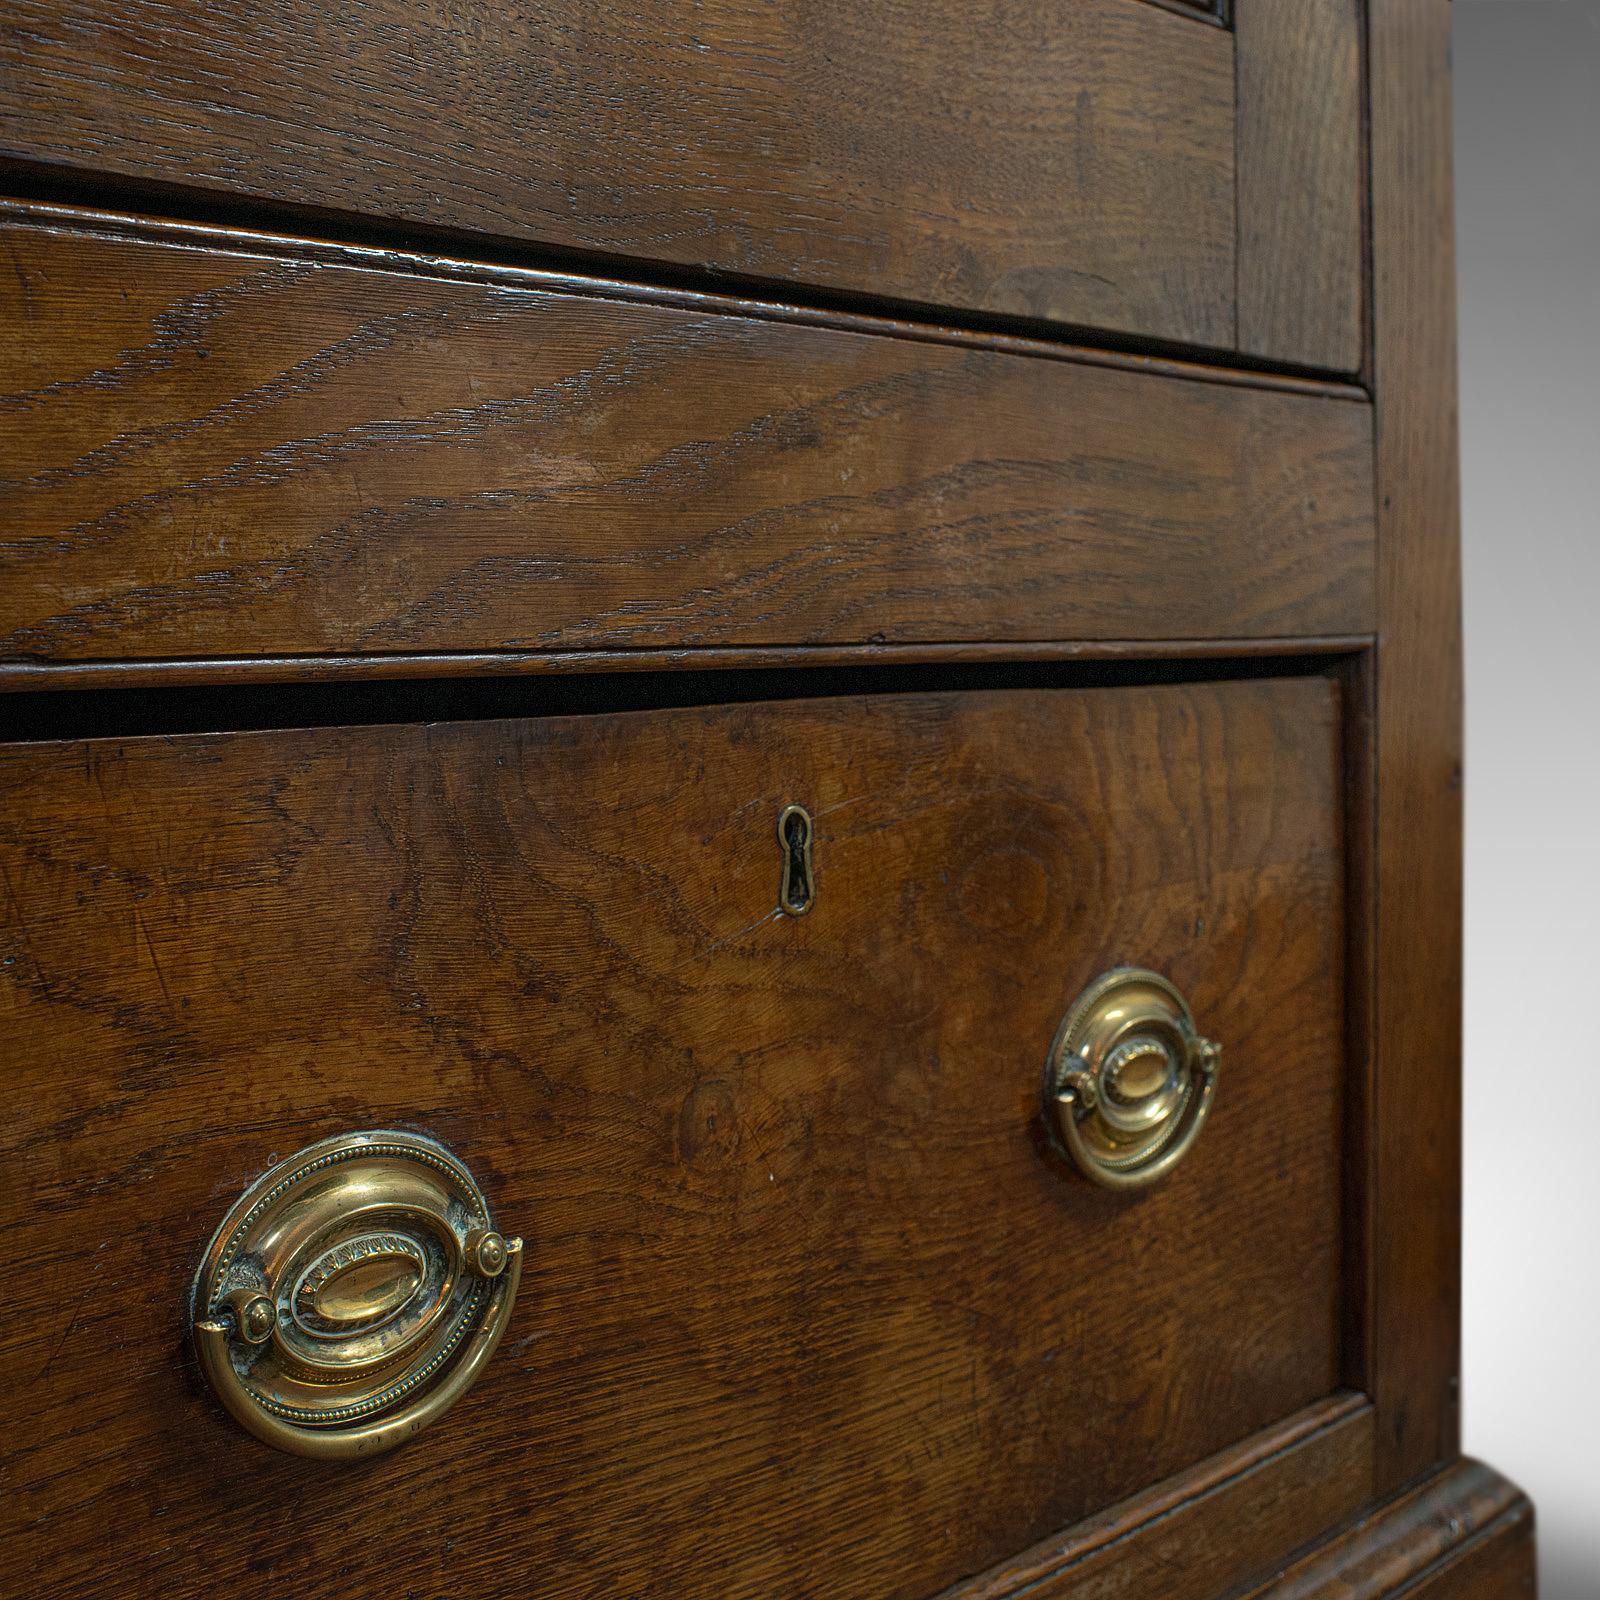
(798,888)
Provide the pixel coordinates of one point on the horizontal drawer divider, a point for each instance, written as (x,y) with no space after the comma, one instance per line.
(32,676)
(177,218)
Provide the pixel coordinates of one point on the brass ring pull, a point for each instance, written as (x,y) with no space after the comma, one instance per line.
(1130,1081)
(353,1294)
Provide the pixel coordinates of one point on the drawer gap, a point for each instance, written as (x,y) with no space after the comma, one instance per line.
(44,715)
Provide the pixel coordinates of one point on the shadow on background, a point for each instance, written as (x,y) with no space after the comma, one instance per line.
(1527,103)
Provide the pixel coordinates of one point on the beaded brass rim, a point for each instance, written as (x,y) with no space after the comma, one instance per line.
(352,1294)
(1129,1081)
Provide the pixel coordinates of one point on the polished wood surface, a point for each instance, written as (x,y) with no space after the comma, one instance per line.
(1238,1526)
(1070,163)
(1206,1531)
(1300,178)
(800,1263)
(1502,1566)
(1414,1146)
(1463,1534)
(214,452)
(428,437)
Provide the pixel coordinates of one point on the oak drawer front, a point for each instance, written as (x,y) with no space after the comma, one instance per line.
(1082,169)
(1108,163)
(234,453)
(800,1261)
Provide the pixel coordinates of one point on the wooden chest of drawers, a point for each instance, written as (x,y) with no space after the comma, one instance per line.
(729,768)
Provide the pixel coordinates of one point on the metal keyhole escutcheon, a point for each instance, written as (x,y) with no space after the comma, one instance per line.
(798,888)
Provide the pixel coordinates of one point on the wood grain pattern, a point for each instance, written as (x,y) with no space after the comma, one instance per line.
(1465,1534)
(1068,163)
(1300,181)
(1415,1142)
(1211,1529)
(323,240)
(215,453)
(809,1307)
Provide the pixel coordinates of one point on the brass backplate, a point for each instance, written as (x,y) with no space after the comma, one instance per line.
(352,1293)
(1129,1080)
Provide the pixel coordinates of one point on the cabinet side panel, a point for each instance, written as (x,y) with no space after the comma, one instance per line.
(1416,1134)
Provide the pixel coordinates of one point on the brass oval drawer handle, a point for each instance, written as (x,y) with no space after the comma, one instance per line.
(1130,1081)
(353,1294)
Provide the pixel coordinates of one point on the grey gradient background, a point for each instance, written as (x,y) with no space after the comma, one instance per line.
(1527,109)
